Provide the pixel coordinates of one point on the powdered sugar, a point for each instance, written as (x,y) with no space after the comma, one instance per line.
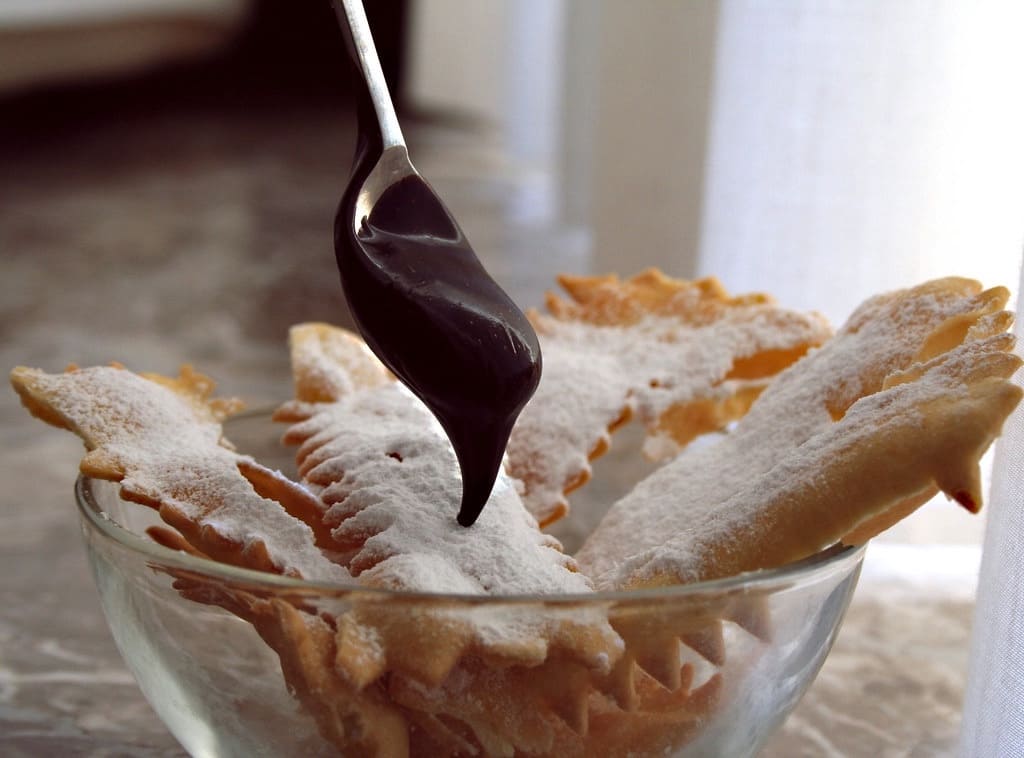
(388,482)
(329,363)
(688,519)
(595,373)
(391,481)
(167,446)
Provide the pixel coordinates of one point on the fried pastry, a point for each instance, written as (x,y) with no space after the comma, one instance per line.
(161,438)
(329,363)
(683,356)
(380,464)
(900,404)
(389,483)
(849,436)
(357,720)
(551,712)
(664,721)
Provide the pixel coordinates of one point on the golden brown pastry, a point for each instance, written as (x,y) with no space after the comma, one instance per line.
(683,356)
(900,404)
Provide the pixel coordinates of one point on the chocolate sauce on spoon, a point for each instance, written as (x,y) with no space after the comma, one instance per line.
(427,307)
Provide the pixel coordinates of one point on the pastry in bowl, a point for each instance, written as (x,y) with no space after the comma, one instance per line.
(396,631)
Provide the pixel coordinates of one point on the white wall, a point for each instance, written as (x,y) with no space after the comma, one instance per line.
(603,107)
(457,55)
(651,121)
(859,147)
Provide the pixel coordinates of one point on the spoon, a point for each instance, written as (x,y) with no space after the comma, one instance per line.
(420,296)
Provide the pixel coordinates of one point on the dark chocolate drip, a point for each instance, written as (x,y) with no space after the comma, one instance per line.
(428,309)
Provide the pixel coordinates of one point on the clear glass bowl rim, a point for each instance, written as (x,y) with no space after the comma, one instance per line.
(832,559)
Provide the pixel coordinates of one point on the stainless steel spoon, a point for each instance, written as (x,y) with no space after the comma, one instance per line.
(419,294)
(394,163)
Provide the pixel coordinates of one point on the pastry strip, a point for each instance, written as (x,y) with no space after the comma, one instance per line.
(389,480)
(161,438)
(384,472)
(683,356)
(901,403)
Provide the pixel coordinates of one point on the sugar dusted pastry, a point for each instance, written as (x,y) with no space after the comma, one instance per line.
(549,712)
(329,363)
(356,720)
(899,405)
(389,481)
(848,439)
(380,465)
(683,356)
(161,438)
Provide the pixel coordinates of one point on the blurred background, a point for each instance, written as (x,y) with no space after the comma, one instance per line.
(169,171)
(169,168)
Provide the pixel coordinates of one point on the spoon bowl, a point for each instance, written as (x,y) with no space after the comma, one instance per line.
(393,166)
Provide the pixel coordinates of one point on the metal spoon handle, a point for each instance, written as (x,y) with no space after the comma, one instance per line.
(352,14)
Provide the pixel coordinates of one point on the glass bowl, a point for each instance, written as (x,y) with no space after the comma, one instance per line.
(718,665)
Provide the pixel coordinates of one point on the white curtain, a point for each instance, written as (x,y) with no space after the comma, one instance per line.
(993,722)
(858,147)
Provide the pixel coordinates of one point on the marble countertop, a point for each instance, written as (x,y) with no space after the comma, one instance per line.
(201,236)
